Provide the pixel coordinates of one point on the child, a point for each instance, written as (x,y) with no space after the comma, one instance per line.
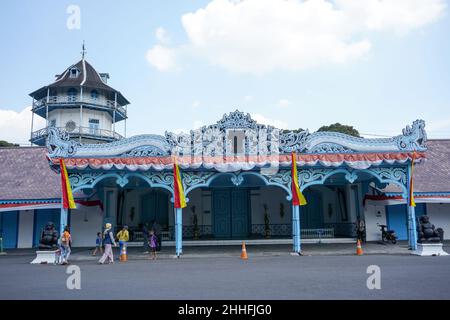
(98,244)
(153,244)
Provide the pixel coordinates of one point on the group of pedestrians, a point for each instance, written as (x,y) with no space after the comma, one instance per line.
(152,241)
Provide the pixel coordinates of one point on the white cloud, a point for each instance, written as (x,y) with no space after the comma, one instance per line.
(400,16)
(284,103)
(196,104)
(260,36)
(162,36)
(15,126)
(162,58)
(271,122)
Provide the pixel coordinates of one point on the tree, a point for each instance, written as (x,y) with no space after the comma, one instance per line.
(7,144)
(342,128)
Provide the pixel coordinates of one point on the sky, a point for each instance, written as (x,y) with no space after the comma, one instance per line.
(377,65)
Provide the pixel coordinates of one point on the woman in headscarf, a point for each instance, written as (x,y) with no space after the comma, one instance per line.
(108,241)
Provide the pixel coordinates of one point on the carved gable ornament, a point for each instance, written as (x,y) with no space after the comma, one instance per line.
(258,139)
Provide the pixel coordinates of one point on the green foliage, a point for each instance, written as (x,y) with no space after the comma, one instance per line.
(7,144)
(342,128)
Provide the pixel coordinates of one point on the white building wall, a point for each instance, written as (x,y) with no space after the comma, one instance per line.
(439,214)
(26,226)
(374,214)
(85,222)
(62,116)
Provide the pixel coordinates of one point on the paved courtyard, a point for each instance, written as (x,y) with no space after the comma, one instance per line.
(266,276)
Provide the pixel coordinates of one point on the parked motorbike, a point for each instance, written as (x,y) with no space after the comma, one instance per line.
(387,235)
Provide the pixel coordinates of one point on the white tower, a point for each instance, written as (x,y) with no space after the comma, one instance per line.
(81,103)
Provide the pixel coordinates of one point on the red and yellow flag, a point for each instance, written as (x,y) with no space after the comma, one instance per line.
(67,196)
(179,198)
(298,199)
(412,203)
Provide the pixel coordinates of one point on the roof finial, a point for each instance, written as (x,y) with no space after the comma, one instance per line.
(83,51)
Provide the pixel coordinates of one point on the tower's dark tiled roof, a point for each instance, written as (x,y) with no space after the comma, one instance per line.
(88,77)
(26,175)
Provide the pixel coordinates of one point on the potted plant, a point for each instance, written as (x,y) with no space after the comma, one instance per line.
(266,222)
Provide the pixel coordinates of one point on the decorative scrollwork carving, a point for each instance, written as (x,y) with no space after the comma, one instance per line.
(413,138)
(59,143)
(397,174)
(237,179)
(161,178)
(146,151)
(293,141)
(329,148)
(196,178)
(84,179)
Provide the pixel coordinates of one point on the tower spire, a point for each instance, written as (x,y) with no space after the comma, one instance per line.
(83,51)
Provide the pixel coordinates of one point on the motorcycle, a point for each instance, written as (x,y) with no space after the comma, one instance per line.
(387,235)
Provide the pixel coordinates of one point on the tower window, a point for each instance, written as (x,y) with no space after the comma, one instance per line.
(235,145)
(94,94)
(72,94)
(94,126)
(73,73)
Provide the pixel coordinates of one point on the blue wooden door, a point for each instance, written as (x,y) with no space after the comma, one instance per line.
(154,206)
(230,209)
(9,225)
(239,213)
(397,218)
(41,218)
(148,207)
(222,213)
(311,215)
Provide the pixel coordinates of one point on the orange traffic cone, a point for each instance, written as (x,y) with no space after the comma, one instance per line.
(244,252)
(359,250)
(123,254)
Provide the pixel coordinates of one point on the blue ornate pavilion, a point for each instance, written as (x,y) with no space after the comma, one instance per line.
(237,154)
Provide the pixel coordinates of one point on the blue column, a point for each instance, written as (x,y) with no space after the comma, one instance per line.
(296,229)
(63,220)
(178,231)
(412,237)
(412,232)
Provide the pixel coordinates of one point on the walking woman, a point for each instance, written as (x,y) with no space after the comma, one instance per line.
(66,242)
(108,241)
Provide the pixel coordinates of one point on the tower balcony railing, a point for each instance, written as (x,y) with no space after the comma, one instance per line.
(68,100)
(87,132)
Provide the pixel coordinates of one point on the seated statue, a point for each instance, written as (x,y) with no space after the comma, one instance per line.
(427,232)
(49,237)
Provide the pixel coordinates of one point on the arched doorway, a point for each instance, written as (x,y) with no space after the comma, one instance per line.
(238,206)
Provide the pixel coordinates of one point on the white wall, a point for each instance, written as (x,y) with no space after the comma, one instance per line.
(62,116)
(374,214)
(26,225)
(440,216)
(85,222)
